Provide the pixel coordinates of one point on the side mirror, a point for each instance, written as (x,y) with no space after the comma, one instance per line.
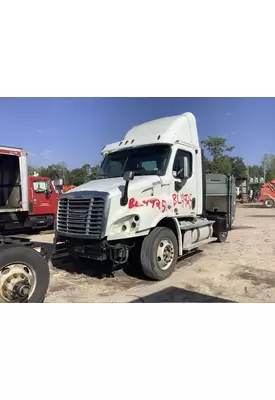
(58,183)
(128,176)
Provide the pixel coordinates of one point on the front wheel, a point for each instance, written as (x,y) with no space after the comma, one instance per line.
(24,275)
(159,253)
(268,203)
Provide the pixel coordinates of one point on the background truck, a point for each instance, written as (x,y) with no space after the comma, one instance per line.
(63,188)
(152,200)
(267,194)
(24,269)
(25,201)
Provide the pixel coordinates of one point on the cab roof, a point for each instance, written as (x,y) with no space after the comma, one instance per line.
(169,130)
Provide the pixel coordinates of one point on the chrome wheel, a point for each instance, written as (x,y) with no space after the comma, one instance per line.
(165,254)
(17,283)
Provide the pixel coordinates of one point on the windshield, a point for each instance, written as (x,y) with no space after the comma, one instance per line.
(41,186)
(147,160)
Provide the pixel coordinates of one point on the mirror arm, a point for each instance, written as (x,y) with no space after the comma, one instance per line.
(124,198)
(128,176)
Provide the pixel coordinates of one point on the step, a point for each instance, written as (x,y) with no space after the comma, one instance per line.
(199,244)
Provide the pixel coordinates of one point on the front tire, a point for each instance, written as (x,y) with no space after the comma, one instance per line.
(159,253)
(24,275)
(268,203)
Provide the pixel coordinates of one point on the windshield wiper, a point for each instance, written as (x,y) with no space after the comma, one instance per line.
(102,176)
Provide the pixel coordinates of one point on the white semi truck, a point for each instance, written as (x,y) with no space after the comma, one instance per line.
(150,200)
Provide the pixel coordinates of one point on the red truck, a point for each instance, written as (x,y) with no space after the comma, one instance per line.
(43,201)
(25,201)
(267,194)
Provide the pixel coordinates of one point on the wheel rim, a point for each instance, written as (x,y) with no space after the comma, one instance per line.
(17,283)
(165,254)
(269,203)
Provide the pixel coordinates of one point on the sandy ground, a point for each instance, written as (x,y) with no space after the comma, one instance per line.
(240,270)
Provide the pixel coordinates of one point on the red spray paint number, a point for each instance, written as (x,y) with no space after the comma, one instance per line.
(153,203)
(183,200)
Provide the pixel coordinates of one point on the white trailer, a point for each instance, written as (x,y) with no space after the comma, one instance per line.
(24,269)
(13,180)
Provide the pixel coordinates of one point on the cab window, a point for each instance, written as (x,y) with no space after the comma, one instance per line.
(179,162)
(42,186)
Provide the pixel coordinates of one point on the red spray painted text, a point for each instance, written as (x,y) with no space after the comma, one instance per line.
(183,199)
(154,203)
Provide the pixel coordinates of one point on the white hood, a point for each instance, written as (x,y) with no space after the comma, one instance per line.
(115,186)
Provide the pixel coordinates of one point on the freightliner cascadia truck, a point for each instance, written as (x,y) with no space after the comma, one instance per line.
(152,199)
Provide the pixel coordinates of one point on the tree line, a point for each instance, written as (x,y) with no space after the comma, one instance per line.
(76,176)
(219,159)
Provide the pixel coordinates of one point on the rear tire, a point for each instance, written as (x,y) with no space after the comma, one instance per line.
(18,262)
(159,253)
(222,237)
(268,203)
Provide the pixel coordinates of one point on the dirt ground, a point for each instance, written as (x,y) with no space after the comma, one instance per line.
(240,270)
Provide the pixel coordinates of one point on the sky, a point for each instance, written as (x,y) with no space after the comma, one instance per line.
(74,130)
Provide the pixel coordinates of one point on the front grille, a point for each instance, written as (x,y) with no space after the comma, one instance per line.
(81,216)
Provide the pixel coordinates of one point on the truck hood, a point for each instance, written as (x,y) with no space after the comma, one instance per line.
(115,186)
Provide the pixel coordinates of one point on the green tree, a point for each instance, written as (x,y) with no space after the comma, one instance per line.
(86,173)
(90,171)
(217,147)
(87,169)
(269,165)
(207,164)
(222,165)
(77,177)
(94,171)
(55,171)
(256,171)
(32,170)
(239,168)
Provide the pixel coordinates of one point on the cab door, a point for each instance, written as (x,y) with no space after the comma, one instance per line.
(41,193)
(184,182)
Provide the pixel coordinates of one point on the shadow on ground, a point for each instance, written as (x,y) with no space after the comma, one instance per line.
(256,276)
(91,268)
(240,227)
(61,260)
(178,295)
(252,205)
(262,216)
(26,232)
